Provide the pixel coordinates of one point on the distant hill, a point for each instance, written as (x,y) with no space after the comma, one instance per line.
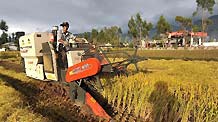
(212,29)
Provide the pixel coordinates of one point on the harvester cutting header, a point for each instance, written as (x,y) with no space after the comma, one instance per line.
(60,56)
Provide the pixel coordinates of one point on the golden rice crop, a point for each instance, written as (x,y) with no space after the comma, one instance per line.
(172,90)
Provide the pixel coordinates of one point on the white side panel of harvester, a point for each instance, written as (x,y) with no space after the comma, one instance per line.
(30,45)
(30,49)
(74,57)
(51,76)
(33,69)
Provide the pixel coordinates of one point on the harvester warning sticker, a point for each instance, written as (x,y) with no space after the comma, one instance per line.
(80,69)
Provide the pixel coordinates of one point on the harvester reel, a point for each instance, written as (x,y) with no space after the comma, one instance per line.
(132,59)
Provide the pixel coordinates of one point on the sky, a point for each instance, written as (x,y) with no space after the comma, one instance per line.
(84,15)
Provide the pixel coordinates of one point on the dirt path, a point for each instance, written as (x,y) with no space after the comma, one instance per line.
(47,98)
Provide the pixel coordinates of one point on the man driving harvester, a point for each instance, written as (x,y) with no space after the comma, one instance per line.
(64,43)
(78,94)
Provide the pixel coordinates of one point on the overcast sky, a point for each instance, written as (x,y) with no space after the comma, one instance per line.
(83,15)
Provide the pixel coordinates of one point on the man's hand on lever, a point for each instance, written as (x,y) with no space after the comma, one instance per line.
(63,42)
(77,40)
(81,40)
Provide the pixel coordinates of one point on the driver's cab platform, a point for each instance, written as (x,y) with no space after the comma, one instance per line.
(53,62)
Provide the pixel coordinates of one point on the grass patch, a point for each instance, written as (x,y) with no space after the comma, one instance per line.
(181,54)
(204,55)
(10,54)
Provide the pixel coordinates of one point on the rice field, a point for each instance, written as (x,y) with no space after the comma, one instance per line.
(163,91)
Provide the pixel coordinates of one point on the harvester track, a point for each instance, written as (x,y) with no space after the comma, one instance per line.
(49,99)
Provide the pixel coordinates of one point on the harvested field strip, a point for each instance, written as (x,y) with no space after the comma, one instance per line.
(46,99)
(14,108)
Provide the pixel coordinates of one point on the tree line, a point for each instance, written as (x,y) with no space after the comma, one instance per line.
(5,37)
(110,35)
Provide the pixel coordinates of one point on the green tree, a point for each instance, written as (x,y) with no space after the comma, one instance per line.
(163,26)
(4,38)
(4,28)
(112,35)
(94,35)
(195,28)
(139,28)
(204,6)
(86,35)
(146,28)
(101,37)
(132,27)
(185,23)
(13,36)
(107,35)
(119,35)
(115,35)
(120,31)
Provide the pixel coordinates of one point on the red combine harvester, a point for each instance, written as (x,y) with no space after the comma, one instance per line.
(85,66)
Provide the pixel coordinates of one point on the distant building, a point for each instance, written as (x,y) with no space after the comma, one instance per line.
(2,49)
(210,44)
(195,38)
